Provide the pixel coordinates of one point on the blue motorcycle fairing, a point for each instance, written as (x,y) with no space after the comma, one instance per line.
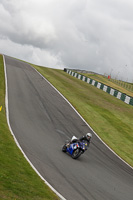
(70,149)
(73,146)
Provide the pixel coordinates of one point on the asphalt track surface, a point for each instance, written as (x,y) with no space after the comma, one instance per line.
(41,121)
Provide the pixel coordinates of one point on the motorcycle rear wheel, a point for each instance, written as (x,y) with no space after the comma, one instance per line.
(64,148)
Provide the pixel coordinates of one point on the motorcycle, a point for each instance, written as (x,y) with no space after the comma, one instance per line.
(75,149)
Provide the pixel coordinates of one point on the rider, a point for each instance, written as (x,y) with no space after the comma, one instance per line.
(87,138)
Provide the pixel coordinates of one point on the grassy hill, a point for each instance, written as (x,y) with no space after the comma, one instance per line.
(122,86)
(110,118)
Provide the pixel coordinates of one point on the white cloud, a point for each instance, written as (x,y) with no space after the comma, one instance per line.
(89,34)
(30,54)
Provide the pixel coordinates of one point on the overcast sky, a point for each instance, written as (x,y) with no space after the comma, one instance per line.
(95,35)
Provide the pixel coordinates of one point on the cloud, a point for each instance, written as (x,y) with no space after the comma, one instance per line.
(92,35)
(31,54)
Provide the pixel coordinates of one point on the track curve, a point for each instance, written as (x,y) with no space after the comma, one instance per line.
(41,121)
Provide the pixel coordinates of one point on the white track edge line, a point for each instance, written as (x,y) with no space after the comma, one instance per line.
(8,121)
(83,119)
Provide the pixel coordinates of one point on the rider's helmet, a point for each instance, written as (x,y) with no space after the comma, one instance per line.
(88,136)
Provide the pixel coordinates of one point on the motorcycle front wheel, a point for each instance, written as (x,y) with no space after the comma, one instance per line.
(76,153)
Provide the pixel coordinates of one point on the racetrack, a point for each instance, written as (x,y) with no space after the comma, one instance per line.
(41,121)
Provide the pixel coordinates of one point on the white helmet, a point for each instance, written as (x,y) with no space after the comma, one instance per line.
(88,135)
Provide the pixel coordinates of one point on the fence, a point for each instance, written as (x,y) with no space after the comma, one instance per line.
(127,99)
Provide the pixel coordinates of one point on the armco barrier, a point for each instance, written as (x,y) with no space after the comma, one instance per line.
(125,98)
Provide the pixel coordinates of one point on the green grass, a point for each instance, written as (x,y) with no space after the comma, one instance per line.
(122,86)
(17,179)
(109,117)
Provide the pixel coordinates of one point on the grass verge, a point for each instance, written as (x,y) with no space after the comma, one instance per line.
(109,117)
(18,180)
(122,86)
